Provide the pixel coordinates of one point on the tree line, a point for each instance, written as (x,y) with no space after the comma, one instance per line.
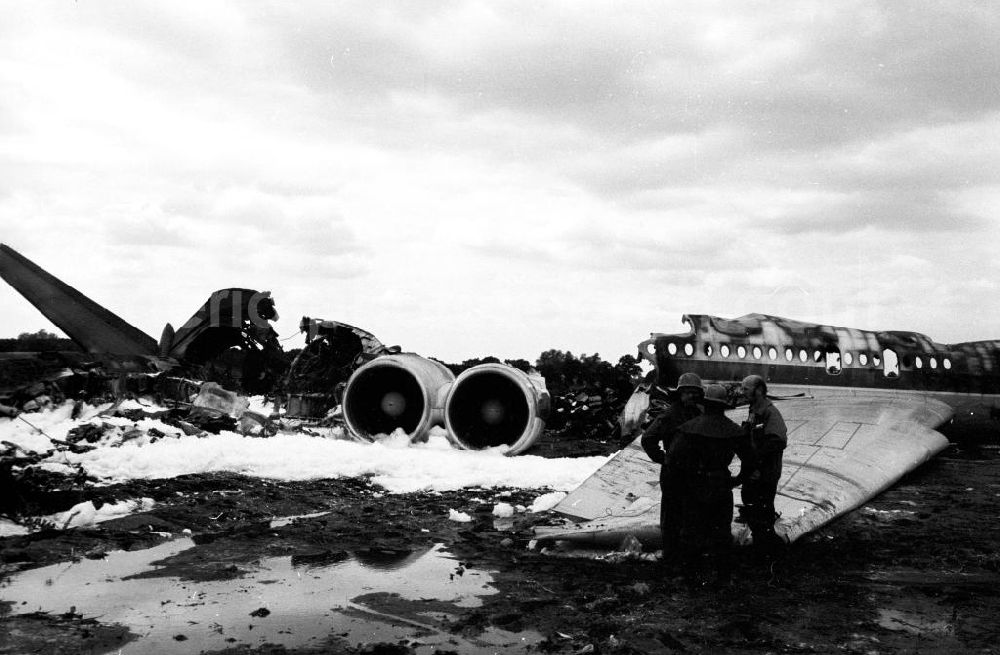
(565,372)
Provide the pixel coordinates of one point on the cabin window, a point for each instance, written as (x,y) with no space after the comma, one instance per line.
(848,359)
(863,359)
(672,348)
(833,362)
(946,363)
(708,350)
(724,349)
(876,360)
(688,349)
(741,351)
(757,352)
(918,362)
(772,353)
(891,367)
(789,354)
(803,356)
(817,355)
(933,362)
(906,361)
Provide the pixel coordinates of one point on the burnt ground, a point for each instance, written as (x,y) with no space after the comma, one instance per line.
(915,571)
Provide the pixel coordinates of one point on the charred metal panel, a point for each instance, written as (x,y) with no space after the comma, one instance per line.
(748,325)
(230,340)
(93,327)
(226,317)
(333,351)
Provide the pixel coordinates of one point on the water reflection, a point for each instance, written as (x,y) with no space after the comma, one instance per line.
(323,559)
(307,598)
(382,559)
(389,560)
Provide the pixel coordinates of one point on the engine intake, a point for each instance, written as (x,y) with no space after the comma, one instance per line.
(495,404)
(403,390)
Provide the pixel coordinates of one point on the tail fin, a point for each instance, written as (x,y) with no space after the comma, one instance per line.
(94,328)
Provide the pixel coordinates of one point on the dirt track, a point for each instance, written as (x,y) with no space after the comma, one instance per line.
(917,570)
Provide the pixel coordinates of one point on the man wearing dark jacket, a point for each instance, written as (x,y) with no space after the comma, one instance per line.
(699,457)
(656,440)
(765,436)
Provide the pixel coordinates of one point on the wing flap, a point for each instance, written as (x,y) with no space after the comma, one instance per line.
(842,451)
(624,478)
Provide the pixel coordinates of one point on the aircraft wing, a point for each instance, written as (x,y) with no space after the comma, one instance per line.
(842,451)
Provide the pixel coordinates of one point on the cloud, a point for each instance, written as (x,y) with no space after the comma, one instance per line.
(585,173)
(148,231)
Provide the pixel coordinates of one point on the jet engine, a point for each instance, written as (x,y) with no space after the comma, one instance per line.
(487,405)
(402,390)
(495,404)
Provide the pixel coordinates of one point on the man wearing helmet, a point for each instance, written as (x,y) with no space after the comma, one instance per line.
(699,458)
(682,406)
(765,436)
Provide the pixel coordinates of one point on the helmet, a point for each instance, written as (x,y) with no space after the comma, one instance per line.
(690,381)
(752,382)
(716,393)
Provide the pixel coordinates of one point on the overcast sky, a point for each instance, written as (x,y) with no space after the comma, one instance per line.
(474,178)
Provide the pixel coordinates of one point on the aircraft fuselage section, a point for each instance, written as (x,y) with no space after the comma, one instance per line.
(819,359)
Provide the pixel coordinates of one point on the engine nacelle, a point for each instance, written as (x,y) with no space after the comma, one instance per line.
(403,390)
(494,405)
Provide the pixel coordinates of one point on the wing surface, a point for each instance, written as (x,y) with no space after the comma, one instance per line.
(842,451)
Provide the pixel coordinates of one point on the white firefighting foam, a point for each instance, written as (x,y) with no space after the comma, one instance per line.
(151,449)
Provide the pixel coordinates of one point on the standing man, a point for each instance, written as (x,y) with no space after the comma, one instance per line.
(681,407)
(700,456)
(765,438)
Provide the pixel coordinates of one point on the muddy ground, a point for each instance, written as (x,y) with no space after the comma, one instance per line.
(915,571)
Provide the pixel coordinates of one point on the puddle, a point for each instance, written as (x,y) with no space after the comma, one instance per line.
(368,597)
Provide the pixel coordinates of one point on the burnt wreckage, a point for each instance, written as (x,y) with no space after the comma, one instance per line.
(229,340)
(862,408)
(319,372)
(379,389)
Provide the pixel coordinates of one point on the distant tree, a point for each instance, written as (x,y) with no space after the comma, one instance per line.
(597,372)
(469,363)
(553,365)
(519,364)
(41,334)
(564,372)
(628,373)
(628,368)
